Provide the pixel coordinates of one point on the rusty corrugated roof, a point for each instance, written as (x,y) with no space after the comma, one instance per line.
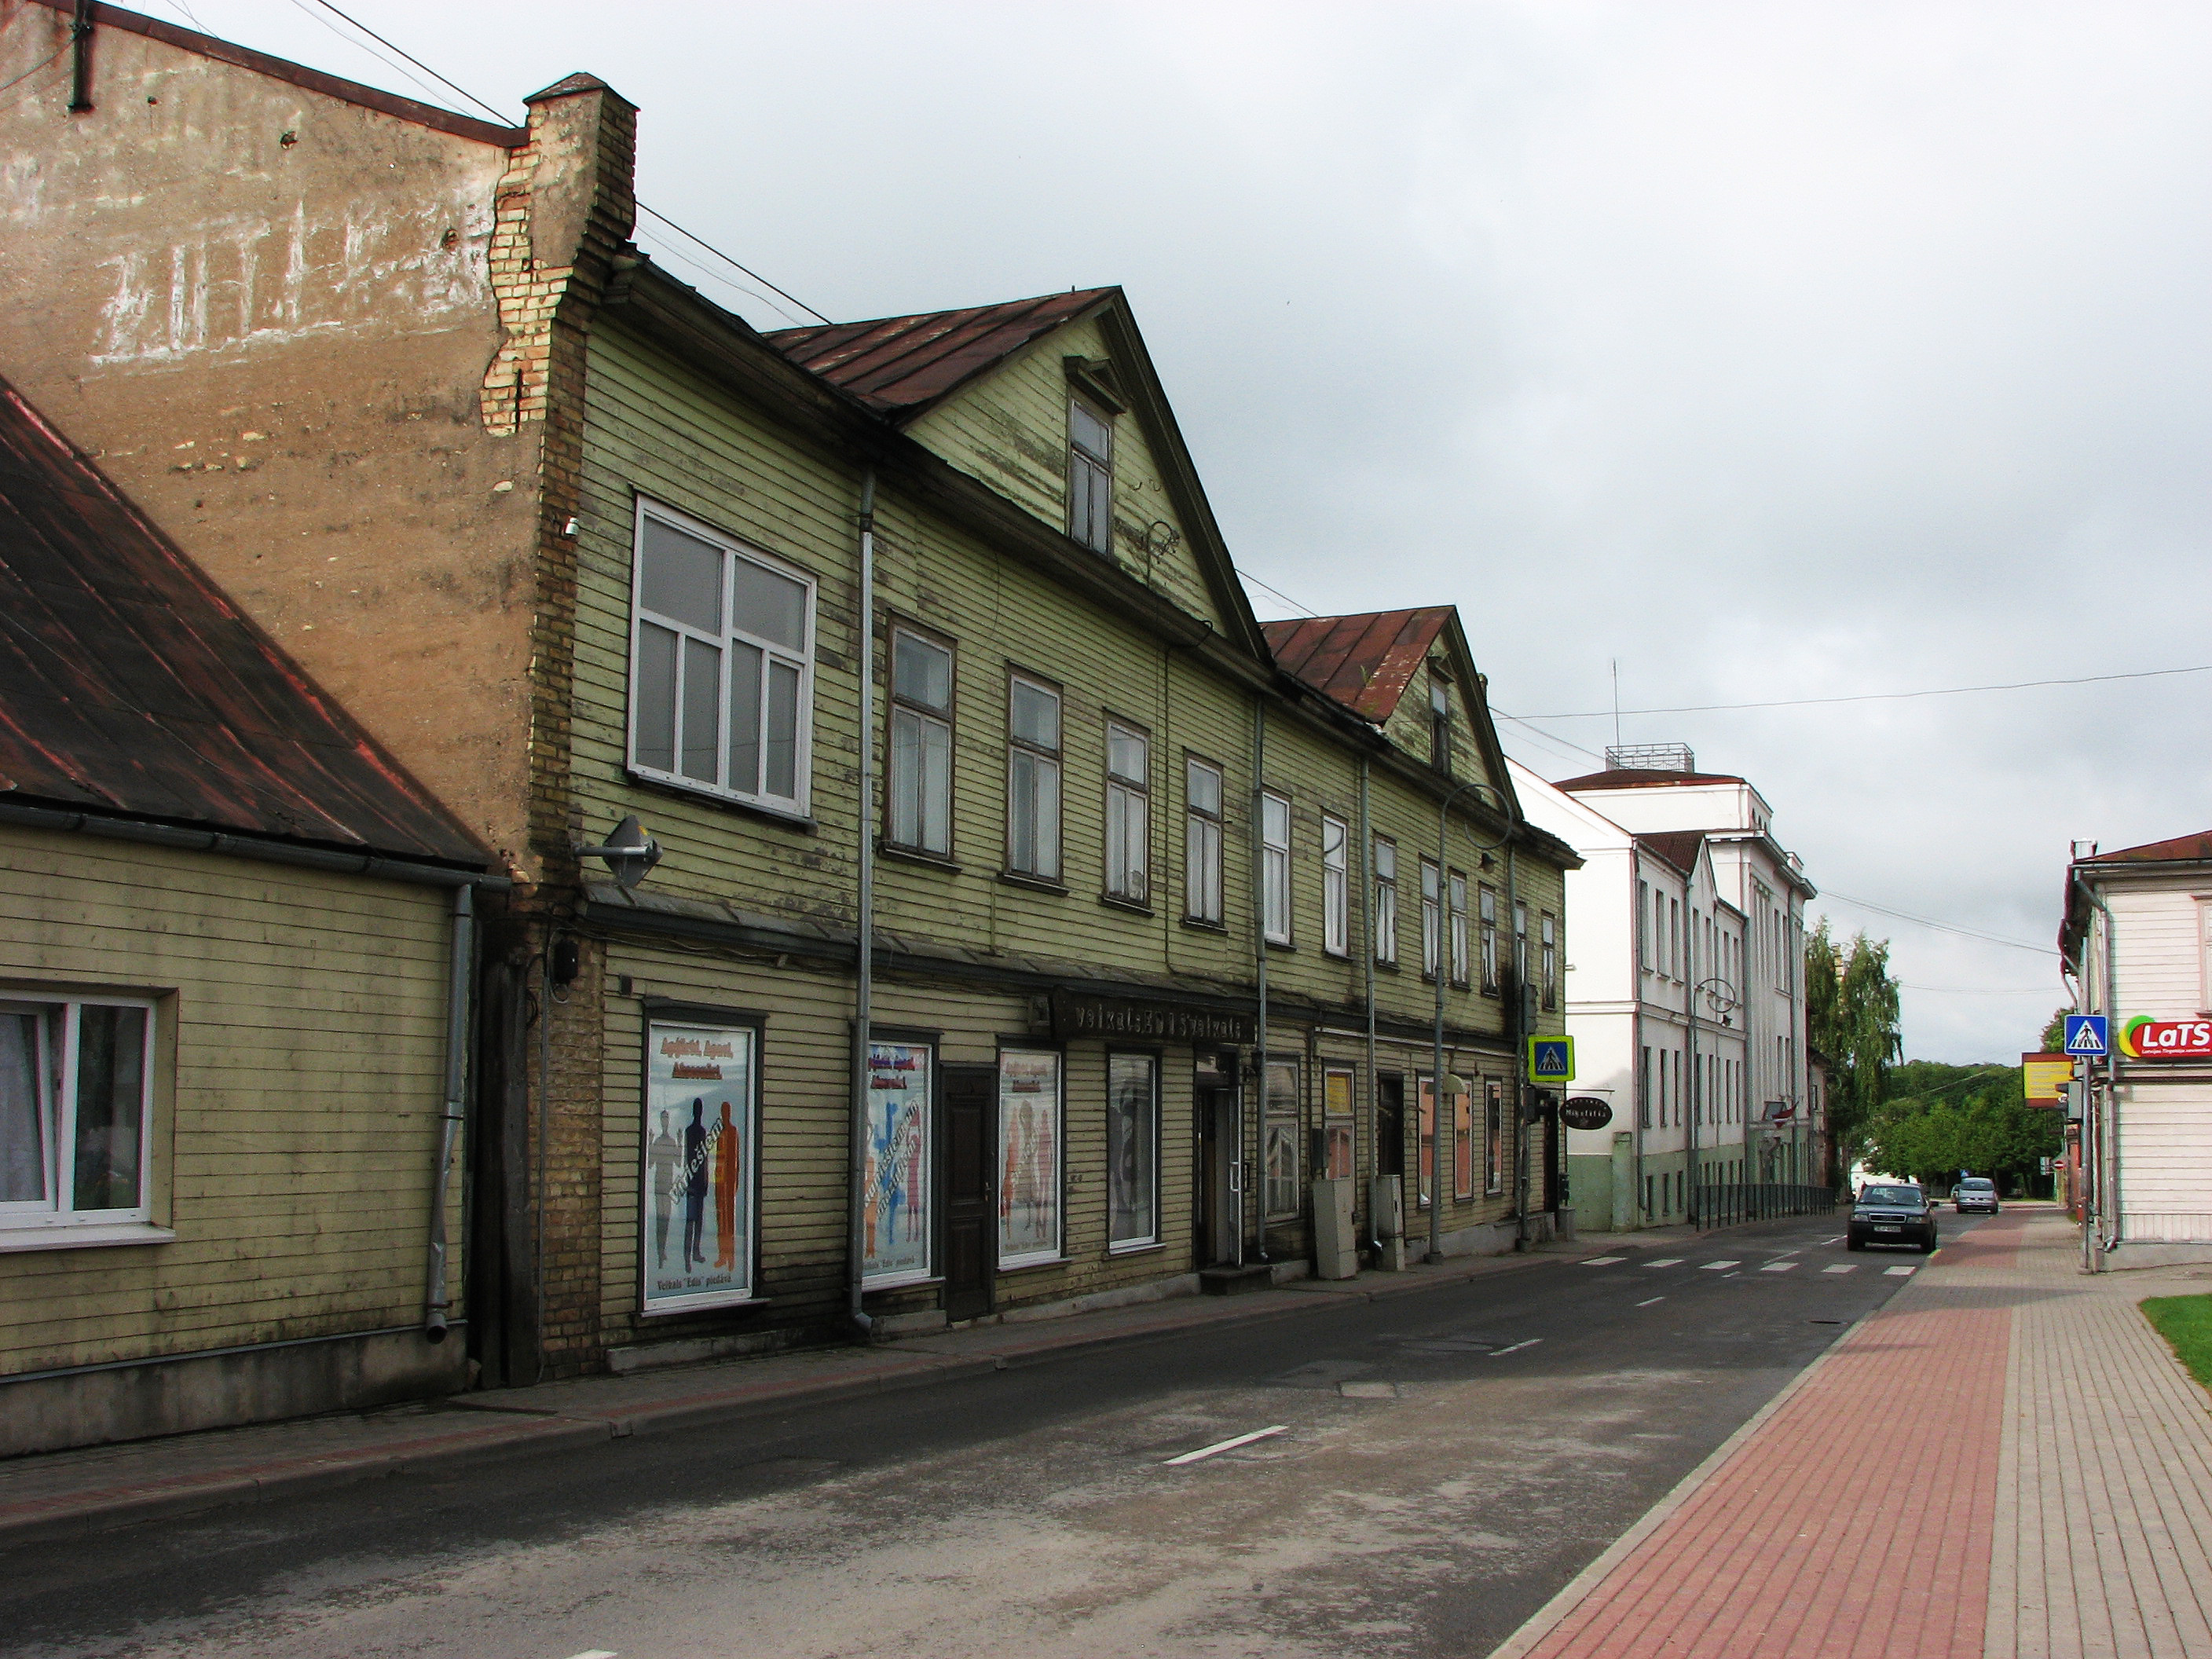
(1678,847)
(131,684)
(2180,849)
(902,365)
(1365,662)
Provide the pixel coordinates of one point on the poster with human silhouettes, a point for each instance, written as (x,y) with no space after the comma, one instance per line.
(1028,1156)
(695,1232)
(896,1222)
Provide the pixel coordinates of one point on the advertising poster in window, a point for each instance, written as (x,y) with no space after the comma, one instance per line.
(896,1223)
(1029,1157)
(696,1235)
(1336,1123)
(1133,1101)
(1427,1112)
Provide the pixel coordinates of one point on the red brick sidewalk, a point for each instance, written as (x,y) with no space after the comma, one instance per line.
(1854,1521)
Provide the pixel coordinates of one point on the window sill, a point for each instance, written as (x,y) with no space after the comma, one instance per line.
(912,855)
(1135,907)
(1391,967)
(1221,927)
(84,1239)
(698,1308)
(776,815)
(927,1281)
(1146,1247)
(1282,945)
(1033,884)
(1034,1267)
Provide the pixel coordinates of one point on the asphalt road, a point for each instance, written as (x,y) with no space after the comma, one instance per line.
(1445,1462)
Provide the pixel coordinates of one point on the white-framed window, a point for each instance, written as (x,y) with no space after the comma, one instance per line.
(1089,476)
(1128,812)
(920,798)
(1032,779)
(1548,938)
(1201,840)
(1031,1114)
(1520,949)
(77,1111)
(1280,1129)
(1335,887)
(1275,868)
(1455,893)
(1386,900)
(721,678)
(1644,1095)
(1493,1137)
(1431,919)
(1440,708)
(1133,1150)
(1485,901)
(1643,925)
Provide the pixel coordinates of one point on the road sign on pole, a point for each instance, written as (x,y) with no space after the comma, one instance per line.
(2085,1036)
(1551,1060)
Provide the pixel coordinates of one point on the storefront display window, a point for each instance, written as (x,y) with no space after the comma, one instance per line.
(1278,1152)
(1133,1150)
(897,1225)
(1336,1123)
(1029,1157)
(695,1237)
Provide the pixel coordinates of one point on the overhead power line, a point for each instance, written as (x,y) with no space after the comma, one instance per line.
(504,120)
(1873,696)
(1940,927)
(725,259)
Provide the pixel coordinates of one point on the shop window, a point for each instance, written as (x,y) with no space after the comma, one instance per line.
(1424,1112)
(1202,833)
(1278,1152)
(1032,779)
(1336,1115)
(1335,889)
(1385,901)
(920,793)
(897,1218)
(1129,813)
(1089,476)
(1031,1116)
(1493,1138)
(721,665)
(700,1184)
(1275,868)
(76,1112)
(1462,1145)
(1133,1150)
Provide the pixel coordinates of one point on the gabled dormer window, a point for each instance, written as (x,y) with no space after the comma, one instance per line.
(1440,710)
(1090,476)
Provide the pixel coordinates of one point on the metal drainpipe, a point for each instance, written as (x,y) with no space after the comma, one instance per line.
(863,957)
(1638,1082)
(436,1298)
(1520,1053)
(2108,1120)
(1373,1093)
(1697,1100)
(1259,947)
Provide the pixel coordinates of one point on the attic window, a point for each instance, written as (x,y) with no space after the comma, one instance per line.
(1440,710)
(1090,476)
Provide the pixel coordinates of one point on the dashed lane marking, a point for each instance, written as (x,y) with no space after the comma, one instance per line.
(1777,1266)
(1517,1347)
(1900,1273)
(597,1653)
(1715,1267)
(1603,1260)
(1841,1267)
(1654,1299)
(1230,1444)
(1666,1262)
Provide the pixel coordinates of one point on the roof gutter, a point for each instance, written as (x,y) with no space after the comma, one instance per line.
(248,847)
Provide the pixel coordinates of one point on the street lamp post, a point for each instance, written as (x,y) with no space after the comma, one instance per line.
(1721,997)
(1441,967)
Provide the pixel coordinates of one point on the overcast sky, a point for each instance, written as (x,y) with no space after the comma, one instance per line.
(1775,351)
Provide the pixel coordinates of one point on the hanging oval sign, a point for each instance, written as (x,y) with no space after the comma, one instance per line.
(1585,1112)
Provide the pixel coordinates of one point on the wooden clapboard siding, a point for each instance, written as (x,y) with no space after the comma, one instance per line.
(301,1044)
(2158,966)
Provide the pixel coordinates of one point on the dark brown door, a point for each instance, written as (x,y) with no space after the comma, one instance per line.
(971,1101)
(1210,1190)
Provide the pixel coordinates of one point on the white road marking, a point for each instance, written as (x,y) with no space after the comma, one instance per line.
(1900,1273)
(1715,1267)
(597,1653)
(1603,1260)
(1655,1299)
(1842,1267)
(1666,1262)
(1230,1444)
(1838,1239)
(1517,1347)
(1777,1266)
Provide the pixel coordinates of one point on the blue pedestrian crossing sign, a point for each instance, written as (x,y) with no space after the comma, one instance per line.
(2085,1035)
(1551,1060)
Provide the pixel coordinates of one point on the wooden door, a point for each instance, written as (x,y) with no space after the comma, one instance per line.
(968,1100)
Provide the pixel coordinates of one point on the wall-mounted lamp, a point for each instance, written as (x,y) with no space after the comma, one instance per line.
(630,853)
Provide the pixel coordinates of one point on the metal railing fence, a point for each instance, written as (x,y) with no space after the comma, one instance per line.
(1728,1204)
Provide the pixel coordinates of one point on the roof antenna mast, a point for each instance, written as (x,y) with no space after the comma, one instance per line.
(1616,702)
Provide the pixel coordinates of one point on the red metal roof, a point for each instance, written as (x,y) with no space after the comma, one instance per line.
(129,684)
(2198,845)
(1365,662)
(901,364)
(1678,847)
(1642,778)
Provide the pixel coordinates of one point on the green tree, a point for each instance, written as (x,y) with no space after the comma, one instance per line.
(2053,1040)
(1939,1120)
(1851,1027)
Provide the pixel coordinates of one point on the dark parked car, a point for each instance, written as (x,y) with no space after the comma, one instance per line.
(1892,1212)
(1975,1194)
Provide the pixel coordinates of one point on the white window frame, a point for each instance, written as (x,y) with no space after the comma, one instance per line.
(1274,867)
(1203,839)
(1455,901)
(771,652)
(907,711)
(1129,815)
(1090,482)
(1432,900)
(1548,939)
(1385,854)
(1485,901)
(1335,886)
(1520,948)
(1044,763)
(55,1218)
(1282,1128)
